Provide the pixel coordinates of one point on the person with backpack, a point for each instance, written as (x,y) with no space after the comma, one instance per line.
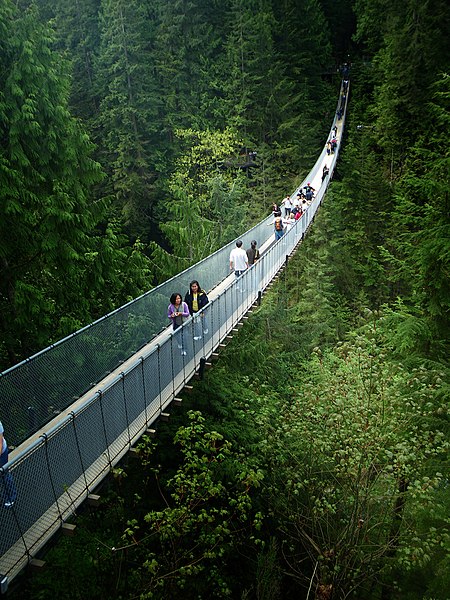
(196,299)
(278,225)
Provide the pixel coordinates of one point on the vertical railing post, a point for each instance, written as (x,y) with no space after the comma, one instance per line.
(105,433)
(45,438)
(124,398)
(144,390)
(80,456)
(159,372)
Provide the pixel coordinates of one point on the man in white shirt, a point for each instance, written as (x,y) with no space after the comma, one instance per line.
(287,203)
(238,259)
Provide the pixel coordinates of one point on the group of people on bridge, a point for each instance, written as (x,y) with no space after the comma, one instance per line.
(196,299)
(294,209)
(179,310)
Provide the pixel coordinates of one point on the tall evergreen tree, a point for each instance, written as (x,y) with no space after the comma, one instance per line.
(128,120)
(407,62)
(48,242)
(76,25)
(303,43)
(253,70)
(187,48)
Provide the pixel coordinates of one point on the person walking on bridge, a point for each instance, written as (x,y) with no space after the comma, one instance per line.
(238,260)
(178,312)
(287,204)
(6,480)
(253,257)
(278,225)
(252,253)
(196,299)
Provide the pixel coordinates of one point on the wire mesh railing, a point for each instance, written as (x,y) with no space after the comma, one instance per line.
(37,389)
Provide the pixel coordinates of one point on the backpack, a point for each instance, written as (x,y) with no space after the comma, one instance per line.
(278,224)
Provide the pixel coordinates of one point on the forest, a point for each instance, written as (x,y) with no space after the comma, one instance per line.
(312,460)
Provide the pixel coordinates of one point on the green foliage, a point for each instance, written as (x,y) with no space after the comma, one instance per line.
(204,210)
(355,457)
(205,519)
(58,269)
(342,449)
(128,117)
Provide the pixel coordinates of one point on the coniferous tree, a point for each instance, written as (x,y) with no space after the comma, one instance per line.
(128,120)
(253,69)
(418,246)
(304,46)
(77,33)
(406,64)
(49,242)
(186,54)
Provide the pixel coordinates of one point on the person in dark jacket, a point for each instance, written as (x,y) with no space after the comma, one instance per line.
(252,253)
(196,299)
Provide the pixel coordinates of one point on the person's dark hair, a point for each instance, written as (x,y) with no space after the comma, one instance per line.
(192,283)
(239,243)
(173,298)
(254,243)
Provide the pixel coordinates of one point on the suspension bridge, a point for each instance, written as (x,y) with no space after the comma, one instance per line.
(73,410)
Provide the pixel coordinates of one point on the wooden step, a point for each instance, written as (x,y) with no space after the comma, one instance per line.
(68,529)
(93,500)
(37,565)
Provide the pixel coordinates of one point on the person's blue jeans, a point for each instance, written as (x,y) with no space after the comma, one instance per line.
(179,336)
(7,481)
(200,325)
(237,275)
(279,234)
